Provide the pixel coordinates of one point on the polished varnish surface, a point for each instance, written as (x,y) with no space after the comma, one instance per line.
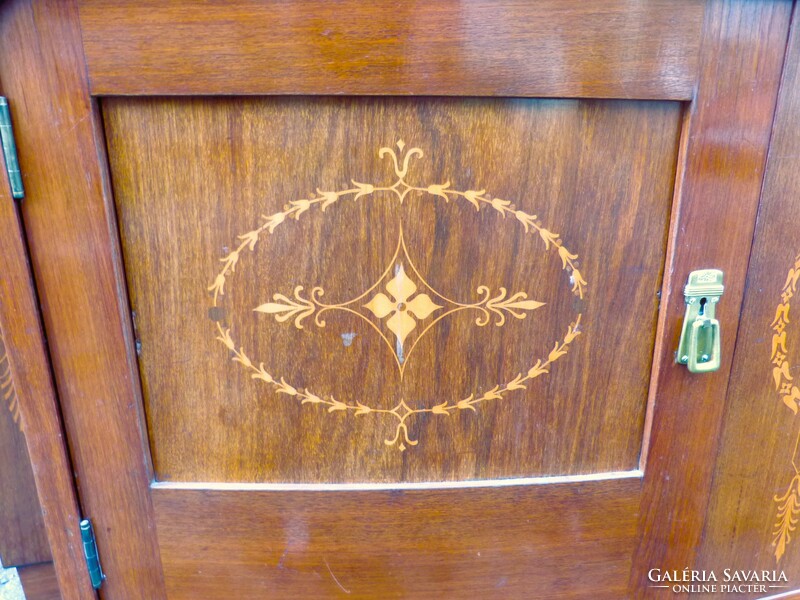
(24,540)
(191,176)
(287,296)
(43,74)
(605,49)
(727,136)
(399,544)
(756,495)
(39,502)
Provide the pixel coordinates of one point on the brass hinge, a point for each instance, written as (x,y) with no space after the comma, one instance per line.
(10,150)
(90,554)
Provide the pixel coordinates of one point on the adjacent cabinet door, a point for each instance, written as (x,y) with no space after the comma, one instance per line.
(381,300)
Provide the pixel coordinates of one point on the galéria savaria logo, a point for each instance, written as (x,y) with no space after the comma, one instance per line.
(729,581)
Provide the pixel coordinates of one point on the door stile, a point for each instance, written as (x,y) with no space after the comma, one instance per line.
(68,217)
(31,378)
(730,122)
(666,284)
(759,440)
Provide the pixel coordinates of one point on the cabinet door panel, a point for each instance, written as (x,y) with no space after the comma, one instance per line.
(467,323)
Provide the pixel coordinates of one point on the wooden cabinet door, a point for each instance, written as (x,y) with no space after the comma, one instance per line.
(755,498)
(38,501)
(381,300)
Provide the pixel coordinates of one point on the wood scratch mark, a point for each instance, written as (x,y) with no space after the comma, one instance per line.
(344,589)
(399,345)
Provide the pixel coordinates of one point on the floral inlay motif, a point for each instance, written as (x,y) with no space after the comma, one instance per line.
(411,302)
(402,307)
(788,511)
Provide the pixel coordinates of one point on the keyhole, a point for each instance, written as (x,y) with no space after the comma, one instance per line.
(702,306)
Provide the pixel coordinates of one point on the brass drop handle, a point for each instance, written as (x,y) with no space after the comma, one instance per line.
(700,346)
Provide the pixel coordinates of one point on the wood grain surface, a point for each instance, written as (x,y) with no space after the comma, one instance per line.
(23,538)
(606,49)
(533,541)
(720,178)
(76,268)
(54,500)
(39,582)
(191,176)
(755,478)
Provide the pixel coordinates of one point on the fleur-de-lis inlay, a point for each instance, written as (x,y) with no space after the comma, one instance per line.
(403,306)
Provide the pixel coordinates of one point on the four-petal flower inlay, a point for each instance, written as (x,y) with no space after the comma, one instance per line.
(403,305)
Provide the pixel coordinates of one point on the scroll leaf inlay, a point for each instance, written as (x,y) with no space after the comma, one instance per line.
(788,510)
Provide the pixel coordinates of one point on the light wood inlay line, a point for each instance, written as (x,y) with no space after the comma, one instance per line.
(403,485)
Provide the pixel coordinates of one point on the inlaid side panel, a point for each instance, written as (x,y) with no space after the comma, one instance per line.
(22,536)
(339,290)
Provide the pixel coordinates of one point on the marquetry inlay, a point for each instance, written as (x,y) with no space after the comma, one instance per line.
(405,306)
(400,306)
(7,390)
(788,509)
